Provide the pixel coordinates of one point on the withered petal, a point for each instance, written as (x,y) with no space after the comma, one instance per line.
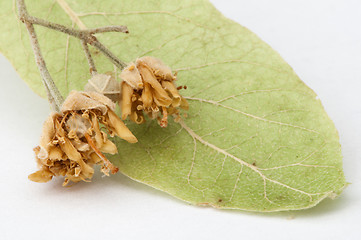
(96,128)
(160,100)
(147,96)
(184,104)
(169,87)
(126,104)
(119,127)
(74,155)
(109,147)
(55,153)
(41,176)
(94,158)
(48,131)
(158,90)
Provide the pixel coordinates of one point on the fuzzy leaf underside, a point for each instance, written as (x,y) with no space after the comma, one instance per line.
(256,137)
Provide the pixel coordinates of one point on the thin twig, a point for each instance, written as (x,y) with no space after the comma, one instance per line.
(60,28)
(51,100)
(120,64)
(54,96)
(92,67)
(85,35)
(122,29)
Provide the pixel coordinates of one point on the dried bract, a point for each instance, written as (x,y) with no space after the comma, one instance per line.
(73,140)
(149,87)
(105,84)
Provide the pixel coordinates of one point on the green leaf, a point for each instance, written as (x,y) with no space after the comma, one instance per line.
(256,137)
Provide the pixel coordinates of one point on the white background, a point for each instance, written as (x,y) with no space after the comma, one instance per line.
(320,39)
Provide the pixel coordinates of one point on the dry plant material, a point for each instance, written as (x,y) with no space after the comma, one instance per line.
(73,140)
(105,84)
(149,87)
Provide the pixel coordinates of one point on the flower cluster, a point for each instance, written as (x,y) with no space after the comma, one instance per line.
(73,140)
(149,87)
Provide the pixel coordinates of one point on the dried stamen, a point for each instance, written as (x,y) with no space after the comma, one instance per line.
(164,121)
(108,164)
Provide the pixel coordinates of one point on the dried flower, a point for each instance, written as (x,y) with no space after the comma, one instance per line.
(149,86)
(73,140)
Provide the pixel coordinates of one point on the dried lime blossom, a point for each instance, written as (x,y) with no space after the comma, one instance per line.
(149,86)
(73,140)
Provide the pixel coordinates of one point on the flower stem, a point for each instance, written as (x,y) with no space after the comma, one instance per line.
(88,55)
(54,96)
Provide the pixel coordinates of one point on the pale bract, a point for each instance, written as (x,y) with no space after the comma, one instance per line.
(105,84)
(256,137)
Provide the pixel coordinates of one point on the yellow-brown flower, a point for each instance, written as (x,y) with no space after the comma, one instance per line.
(73,140)
(149,86)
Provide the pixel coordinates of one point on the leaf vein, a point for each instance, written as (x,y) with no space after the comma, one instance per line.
(143,12)
(227,61)
(251,115)
(254,168)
